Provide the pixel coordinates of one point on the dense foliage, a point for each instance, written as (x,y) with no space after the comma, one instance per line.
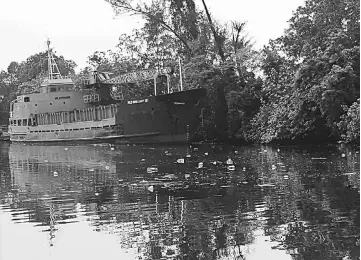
(312,76)
(302,86)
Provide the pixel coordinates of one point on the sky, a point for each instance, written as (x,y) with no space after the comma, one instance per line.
(78,28)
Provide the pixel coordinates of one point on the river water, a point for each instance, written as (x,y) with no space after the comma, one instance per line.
(102,201)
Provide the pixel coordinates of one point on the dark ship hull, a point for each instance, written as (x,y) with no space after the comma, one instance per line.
(168,118)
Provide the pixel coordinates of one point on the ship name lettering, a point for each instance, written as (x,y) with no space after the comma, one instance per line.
(138,101)
(66,97)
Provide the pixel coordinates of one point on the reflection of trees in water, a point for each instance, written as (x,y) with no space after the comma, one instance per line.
(325,197)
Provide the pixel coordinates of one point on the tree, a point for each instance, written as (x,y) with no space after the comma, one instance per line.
(313,70)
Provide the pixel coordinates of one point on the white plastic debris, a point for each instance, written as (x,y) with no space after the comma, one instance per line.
(231,167)
(188,155)
(152,169)
(229,161)
(343,155)
(244,168)
(278,150)
(180,160)
(112,148)
(107,167)
(349,173)
(91,170)
(285,177)
(151,188)
(215,163)
(205,153)
(273,167)
(236,152)
(66,149)
(200,165)
(195,149)
(142,160)
(187,175)
(55,174)
(96,194)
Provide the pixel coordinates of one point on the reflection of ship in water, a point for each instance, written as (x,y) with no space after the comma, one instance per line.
(50,181)
(56,184)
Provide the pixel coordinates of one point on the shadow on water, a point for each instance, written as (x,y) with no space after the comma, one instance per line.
(189,202)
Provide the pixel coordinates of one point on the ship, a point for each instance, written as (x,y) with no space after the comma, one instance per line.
(59,112)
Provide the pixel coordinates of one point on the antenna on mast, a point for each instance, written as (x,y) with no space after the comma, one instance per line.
(53,70)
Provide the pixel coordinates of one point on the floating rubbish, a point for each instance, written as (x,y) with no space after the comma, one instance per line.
(66,149)
(112,148)
(231,167)
(215,163)
(286,177)
(349,173)
(273,167)
(236,152)
(187,175)
(45,160)
(170,176)
(319,158)
(55,174)
(96,194)
(195,149)
(188,155)
(107,167)
(205,153)
(229,161)
(142,160)
(151,188)
(152,169)
(343,155)
(278,150)
(200,165)
(244,169)
(266,185)
(260,183)
(265,151)
(91,170)
(180,160)
(244,182)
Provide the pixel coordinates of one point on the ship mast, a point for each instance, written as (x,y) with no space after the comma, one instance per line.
(53,70)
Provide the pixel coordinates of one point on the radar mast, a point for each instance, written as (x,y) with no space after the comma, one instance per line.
(53,70)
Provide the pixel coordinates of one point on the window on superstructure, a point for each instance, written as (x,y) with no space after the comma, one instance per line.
(19,122)
(52,89)
(29,122)
(25,122)
(26,99)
